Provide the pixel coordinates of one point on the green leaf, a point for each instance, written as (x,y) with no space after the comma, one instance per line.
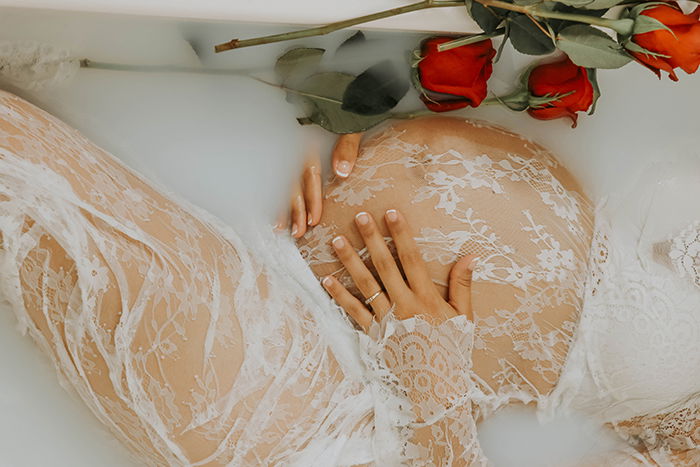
(591,48)
(559,24)
(323,95)
(527,38)
(602,4)
(593,78)
(298,63)
(356,39)
(502,45)
(487,18)
(576,3)
(642,7)
(643,23)
(517,101)
(634,47)
(376,90)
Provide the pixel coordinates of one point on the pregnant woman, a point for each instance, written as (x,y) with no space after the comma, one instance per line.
(197,348)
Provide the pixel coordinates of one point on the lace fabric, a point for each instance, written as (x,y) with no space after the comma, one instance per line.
(195,348)
(470,188)
(635,358)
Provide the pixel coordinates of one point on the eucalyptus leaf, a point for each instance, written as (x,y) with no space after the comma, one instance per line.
(527,38)
(298,63)
(376,90)
(323,95)
(487,18)
(591,48)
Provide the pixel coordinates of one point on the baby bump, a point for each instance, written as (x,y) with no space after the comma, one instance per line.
(469,188)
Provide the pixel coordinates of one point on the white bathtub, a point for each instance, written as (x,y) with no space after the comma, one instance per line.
(214,139)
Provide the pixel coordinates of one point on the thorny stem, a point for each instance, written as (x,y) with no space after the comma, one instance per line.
(328,28)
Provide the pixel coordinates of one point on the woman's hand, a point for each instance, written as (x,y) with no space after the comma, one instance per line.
(417,297)
(307,195)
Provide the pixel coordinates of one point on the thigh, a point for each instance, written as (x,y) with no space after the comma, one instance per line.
(167,328)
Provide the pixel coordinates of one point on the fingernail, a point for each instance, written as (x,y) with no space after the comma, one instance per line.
(392,215)
(338,242)
(326,281)
(309,219)
(343,168)
(295,229)
(473,264)
(362,218)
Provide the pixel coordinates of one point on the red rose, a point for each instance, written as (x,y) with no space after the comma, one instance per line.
(562,77)
(680,47)
(455,78)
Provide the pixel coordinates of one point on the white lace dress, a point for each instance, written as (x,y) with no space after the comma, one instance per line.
(197,348)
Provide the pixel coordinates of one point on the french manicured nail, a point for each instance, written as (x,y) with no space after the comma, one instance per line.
(362,218)
(295,229)
(392,215)
(338,242)
(309,219)
(343,168)
(327,281)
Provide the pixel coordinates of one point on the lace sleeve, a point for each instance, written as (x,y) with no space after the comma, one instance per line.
(425,369)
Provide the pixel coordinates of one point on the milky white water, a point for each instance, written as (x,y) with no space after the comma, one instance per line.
(230,145)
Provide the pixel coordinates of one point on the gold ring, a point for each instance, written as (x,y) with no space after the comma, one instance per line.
(371,299)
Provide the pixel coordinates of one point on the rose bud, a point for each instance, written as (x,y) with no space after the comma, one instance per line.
(667,49)
(572,83)
(454,78)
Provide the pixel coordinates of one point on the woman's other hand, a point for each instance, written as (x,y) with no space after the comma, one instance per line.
(307,194)
(417,295)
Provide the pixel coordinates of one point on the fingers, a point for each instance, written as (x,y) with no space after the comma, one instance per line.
(345,153)
(313,188)
(410,256)
(460,286)
(348,302)
(363,278)
(381,257)
(298,213)
(313,194)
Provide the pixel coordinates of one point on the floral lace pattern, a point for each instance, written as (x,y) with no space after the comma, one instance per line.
(624,367)
(478,189)
(684,253)
(197,349)
(426,367)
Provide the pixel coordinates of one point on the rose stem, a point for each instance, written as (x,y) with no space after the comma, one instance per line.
(466,40)
(622,26)
(86,63)
(321,30)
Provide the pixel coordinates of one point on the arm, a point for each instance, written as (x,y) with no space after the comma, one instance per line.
(417,346)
